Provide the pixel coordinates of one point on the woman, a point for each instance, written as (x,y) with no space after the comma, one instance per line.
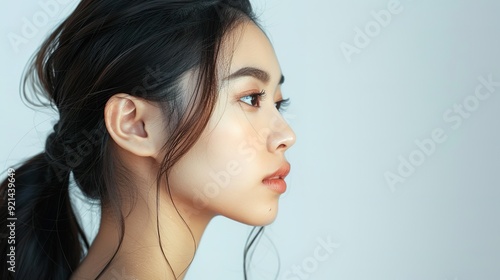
(169,116)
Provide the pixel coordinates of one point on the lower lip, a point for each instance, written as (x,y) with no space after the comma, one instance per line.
(277,185)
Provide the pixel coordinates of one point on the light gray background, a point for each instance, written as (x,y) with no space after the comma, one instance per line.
(353,120)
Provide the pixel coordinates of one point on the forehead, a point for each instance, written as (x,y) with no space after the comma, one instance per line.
(248,46)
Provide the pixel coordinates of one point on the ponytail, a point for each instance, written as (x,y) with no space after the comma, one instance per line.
(40,235)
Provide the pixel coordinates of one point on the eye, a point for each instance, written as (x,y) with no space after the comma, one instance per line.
(253,99)
(282,105)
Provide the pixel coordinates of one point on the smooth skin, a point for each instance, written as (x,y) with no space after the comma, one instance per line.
(244,141)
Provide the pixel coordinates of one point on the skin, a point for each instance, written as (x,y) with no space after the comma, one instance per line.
(220,175)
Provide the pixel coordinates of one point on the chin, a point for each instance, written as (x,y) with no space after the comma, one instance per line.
(262,216)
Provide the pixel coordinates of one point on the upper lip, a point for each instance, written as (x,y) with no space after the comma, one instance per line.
(281,173)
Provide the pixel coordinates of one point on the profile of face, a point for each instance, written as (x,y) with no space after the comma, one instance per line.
(237,166)
(155,142)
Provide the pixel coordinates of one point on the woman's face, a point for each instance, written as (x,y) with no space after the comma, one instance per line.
(236,167)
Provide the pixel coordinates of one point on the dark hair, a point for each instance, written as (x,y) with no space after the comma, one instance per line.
(104,48)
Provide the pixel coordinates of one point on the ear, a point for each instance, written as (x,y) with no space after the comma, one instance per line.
(135,124)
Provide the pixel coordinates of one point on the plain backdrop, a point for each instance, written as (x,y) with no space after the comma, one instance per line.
(379,88)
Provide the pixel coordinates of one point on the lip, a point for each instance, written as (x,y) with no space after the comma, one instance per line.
(276,180)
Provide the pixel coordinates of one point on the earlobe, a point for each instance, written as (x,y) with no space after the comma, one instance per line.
(129,121)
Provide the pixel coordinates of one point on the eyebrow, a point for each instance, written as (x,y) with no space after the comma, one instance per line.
(259,74)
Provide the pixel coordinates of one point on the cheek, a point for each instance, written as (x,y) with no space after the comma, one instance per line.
(212,166)
(234,152)
(222,162)
(222,172)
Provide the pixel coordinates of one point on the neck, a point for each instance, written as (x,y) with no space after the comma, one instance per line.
(140,255)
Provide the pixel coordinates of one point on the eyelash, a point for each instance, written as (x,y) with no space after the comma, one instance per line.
(280,105)
(283,104)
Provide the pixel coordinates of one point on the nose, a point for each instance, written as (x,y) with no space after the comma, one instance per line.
(281,136)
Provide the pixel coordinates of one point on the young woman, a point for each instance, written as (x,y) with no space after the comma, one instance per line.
(169,115)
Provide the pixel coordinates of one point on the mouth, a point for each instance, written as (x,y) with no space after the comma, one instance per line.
(276,180)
